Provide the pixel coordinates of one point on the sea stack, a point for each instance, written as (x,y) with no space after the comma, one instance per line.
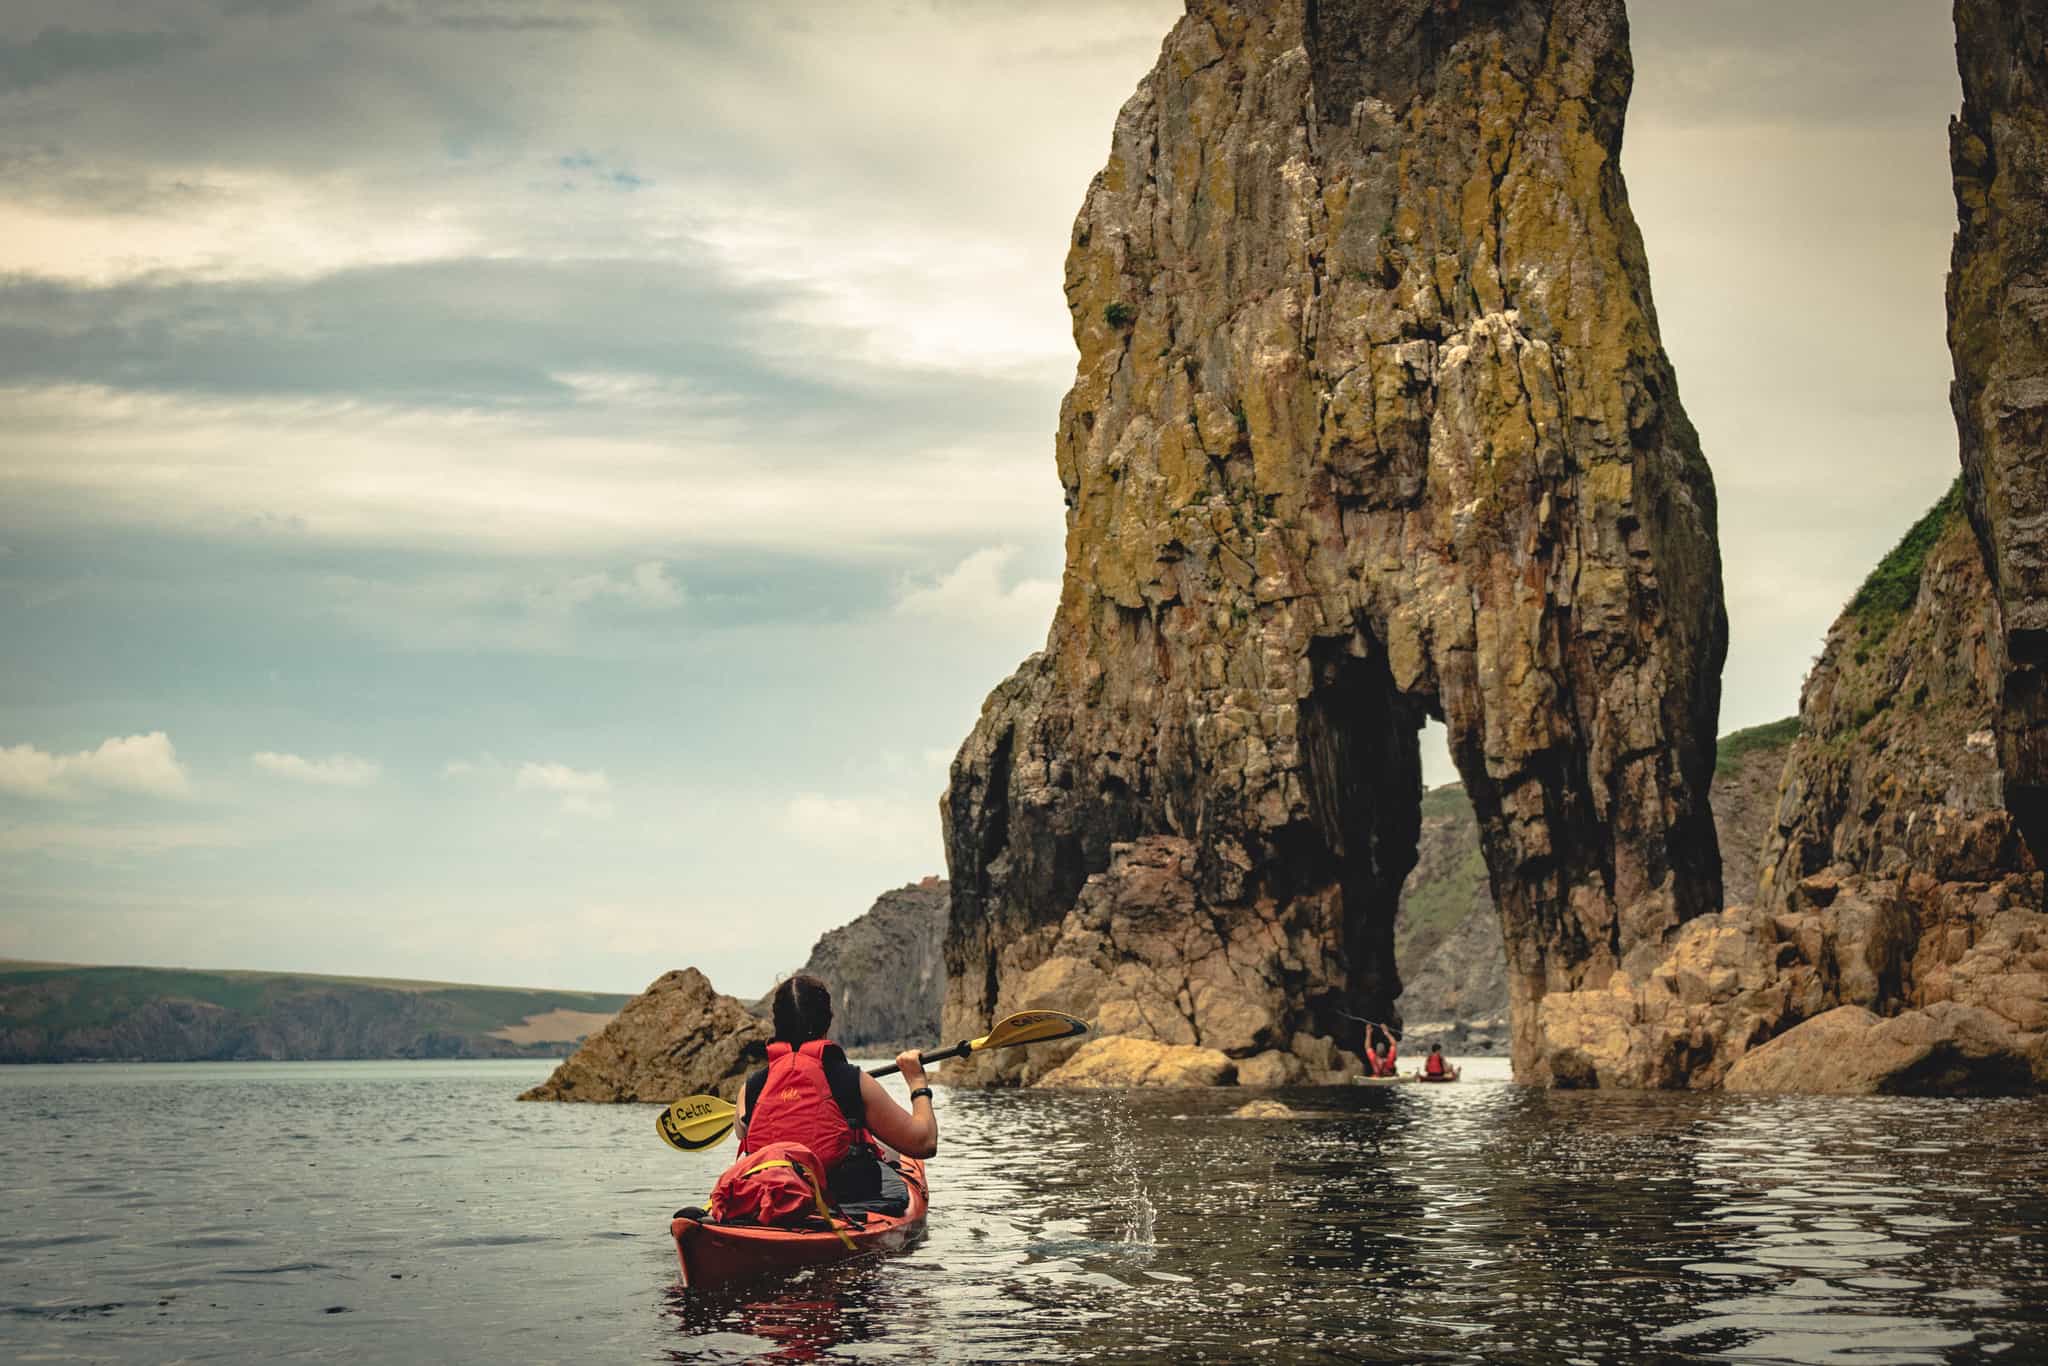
(1896,940)
(1371,424)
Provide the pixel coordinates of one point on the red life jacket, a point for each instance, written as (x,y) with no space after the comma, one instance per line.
(797,1106)
(1382,1063)
(1435,1065)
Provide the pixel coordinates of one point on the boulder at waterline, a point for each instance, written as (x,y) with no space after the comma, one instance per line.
(1945,1050)
(1121,1061)
(677,1038)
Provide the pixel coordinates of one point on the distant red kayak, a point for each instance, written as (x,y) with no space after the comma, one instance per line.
(719,1254)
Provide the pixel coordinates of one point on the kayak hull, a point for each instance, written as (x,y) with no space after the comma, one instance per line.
(714,1255)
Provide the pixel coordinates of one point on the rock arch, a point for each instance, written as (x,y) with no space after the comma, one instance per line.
(1371,423)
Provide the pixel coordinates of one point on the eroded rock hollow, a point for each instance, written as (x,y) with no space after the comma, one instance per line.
(1371,424)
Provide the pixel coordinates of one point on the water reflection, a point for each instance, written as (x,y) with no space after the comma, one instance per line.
(352,1212)
(1829,1193)
(1473,1223)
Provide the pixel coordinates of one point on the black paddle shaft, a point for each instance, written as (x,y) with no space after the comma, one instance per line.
(958,1050)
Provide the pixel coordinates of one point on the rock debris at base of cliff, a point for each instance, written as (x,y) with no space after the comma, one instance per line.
(1371,423)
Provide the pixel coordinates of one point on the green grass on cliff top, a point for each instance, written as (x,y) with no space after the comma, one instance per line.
(1737,745)
(1888,594)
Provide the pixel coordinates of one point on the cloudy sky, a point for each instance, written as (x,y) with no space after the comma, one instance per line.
(536,493)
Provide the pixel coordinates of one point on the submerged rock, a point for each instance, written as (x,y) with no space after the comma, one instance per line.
(1371,423)
(1265,1109)
(677,1038)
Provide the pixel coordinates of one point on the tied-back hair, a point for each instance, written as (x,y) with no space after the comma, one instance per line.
(803,1009)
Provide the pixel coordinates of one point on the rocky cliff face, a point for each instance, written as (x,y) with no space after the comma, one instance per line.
(677,1038)
(1371,423)
(1898,941)
(1447,935)
(1887,880)
(1998,334)
(887,970)
(1446,931)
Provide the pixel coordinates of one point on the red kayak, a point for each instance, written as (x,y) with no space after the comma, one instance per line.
(719,1254)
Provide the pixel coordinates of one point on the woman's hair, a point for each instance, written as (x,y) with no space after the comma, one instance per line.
(803,1009)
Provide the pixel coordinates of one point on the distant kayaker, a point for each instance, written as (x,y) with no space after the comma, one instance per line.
(1434,1068)
(810,1094)
(1381,1060)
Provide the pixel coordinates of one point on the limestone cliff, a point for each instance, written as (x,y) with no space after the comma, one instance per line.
(1371,423)
(1998,334)
(677,1038)
(887,970)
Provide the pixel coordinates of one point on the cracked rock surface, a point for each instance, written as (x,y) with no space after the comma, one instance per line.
(1998,335)
(1371,423)
(1897,940)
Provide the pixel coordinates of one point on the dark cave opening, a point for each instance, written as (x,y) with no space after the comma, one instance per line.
(1361,759)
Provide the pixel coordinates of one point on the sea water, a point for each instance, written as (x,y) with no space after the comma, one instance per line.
(389,1212)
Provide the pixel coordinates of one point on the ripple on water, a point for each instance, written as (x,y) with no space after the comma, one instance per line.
(1475,1223)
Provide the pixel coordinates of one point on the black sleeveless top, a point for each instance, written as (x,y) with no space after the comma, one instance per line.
(842,1076)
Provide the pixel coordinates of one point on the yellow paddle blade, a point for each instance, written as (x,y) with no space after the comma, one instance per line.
(695,1122)
(1030,1026)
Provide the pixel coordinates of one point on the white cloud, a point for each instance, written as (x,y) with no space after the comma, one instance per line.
(146,764)
(646,587)
(338,770)
(368,473)
(972,594)
(583,791)
(864,826)
(560,778)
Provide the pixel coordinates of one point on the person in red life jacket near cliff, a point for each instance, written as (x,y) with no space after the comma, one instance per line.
(810,1094)
(1434,1068)
(1381,1061)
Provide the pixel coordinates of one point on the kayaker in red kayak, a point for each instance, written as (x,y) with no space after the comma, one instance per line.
(810,1094)
(1381,1061)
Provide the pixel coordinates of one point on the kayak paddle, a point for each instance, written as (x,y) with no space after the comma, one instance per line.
(1030,1026)
(697,1122)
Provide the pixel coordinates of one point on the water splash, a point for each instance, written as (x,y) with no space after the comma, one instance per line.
(1139,1214)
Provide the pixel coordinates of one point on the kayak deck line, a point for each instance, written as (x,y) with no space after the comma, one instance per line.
(713,1255)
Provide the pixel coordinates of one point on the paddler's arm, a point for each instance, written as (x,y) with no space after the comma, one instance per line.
(913,1132)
